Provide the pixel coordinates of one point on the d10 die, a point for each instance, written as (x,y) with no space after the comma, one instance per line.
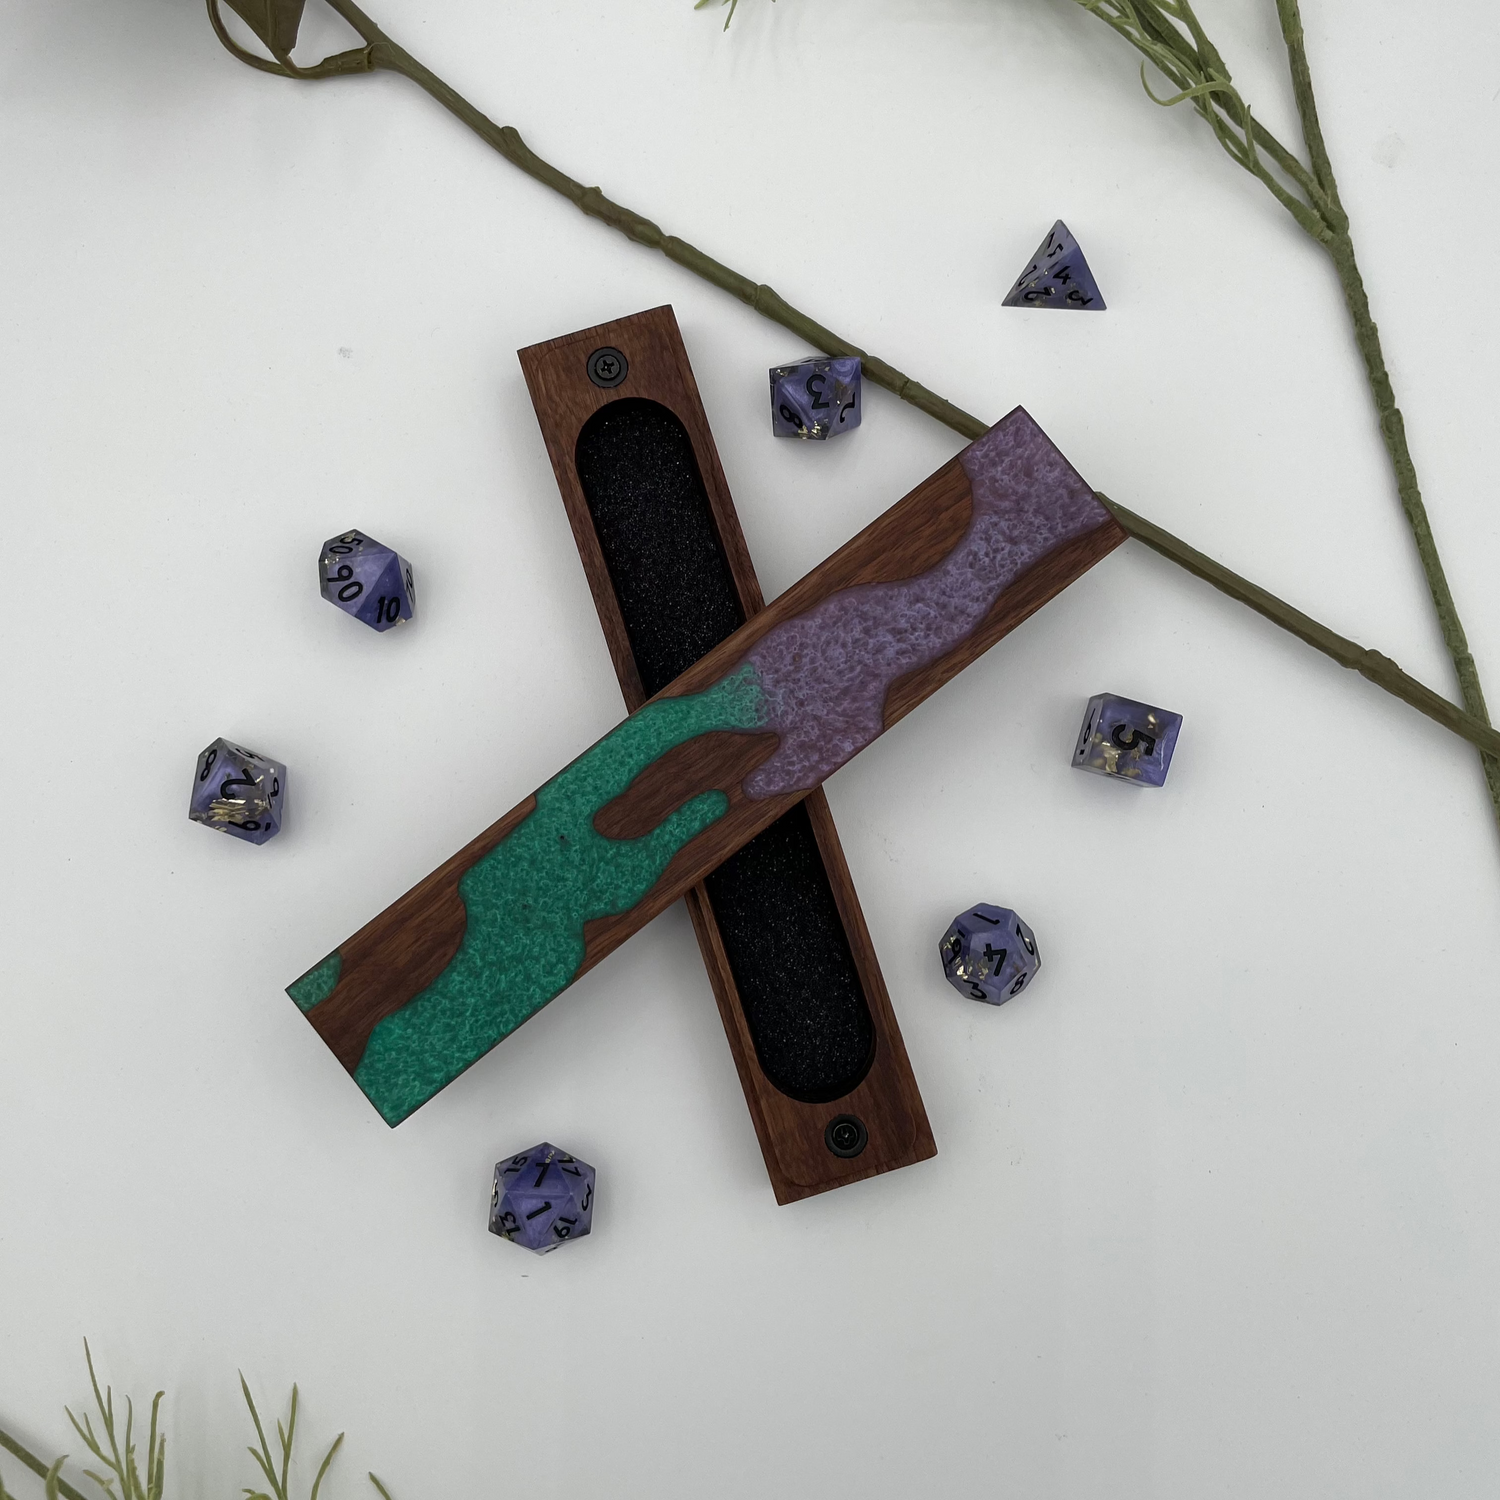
(989,954)
(816,398)
(1123,738)
(367,580)
(238,792)
(542,1198)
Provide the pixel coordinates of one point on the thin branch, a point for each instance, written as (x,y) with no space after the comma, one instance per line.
(1380,670)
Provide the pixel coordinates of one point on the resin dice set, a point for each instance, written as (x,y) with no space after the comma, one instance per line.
(239,792)
(988,952)
(819,397)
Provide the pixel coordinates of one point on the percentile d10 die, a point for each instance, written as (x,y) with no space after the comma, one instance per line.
(367,580)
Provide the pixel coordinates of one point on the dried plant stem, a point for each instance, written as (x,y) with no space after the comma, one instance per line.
(1380,670)
(380,51)
(1169,36)
(1340,249)
(38,1468)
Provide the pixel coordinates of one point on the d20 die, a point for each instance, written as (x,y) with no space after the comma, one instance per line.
(989,954)
(238,792)
(815,398)
(1130,740)
(367,580)
(542,1198)
(1057,276)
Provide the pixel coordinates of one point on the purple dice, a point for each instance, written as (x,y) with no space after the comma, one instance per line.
(989,954)
(542,1198)
(238,792)
(815,398)
(367,580)
(1058,276)
(1126,739)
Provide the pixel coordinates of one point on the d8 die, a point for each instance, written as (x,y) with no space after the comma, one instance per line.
(1130,740)
(542,1198)
(238,792)
(367,580)
(815,398)
(989,954)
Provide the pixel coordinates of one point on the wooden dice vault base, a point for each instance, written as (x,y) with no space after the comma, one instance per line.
(799,988)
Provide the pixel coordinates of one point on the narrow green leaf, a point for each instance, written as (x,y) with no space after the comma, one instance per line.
(328,1459)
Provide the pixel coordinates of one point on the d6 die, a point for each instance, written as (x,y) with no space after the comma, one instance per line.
(238,792)
(815,398)
(367,580)
(1130,740)
(542,1198)
(989,954)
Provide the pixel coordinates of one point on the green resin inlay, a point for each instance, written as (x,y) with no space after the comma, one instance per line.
(318,983)
(527,900)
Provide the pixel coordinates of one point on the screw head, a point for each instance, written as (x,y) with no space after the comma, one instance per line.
(607,368)
(846,1135)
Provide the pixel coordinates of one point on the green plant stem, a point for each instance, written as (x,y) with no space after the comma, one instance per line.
(381,52)
(1340,248)
(1186,57)
(37,1467)
(1380,670)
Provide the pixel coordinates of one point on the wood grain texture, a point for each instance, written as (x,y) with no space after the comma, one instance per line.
(403,950)
(790,1132)
(927,524)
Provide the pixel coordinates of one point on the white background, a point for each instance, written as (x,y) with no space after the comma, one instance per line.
(1216,1205)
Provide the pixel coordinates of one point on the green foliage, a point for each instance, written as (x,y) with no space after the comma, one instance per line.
(700,4)
(285,1437)
(117,1455)
(121,1463)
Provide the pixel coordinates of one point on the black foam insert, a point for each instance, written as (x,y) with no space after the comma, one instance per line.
(799,989)
(670,573)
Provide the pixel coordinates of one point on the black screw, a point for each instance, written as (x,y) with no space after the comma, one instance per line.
(608,368)
(846,1135)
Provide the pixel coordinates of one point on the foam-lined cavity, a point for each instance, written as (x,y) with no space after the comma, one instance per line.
(790,956)
(670,574)
(799,988)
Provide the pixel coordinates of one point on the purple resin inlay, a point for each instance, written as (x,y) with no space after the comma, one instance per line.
(825,674)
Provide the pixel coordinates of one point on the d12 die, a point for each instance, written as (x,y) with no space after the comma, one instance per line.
(815,398)
(542,1198)
(367,580)
(238,792)
(989,954)
(1130,740)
